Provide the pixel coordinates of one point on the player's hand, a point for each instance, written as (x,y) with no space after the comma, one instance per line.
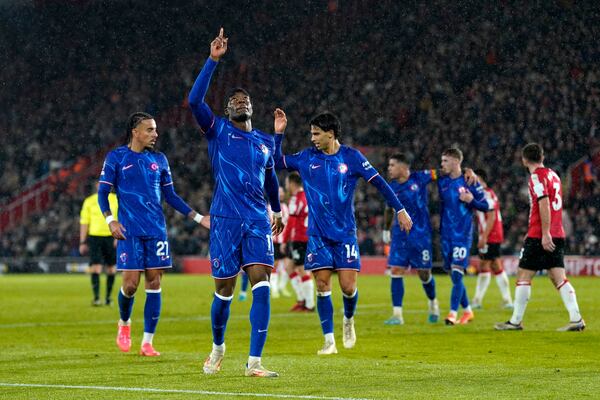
(218,47)
(471,177)
(83,249)
(481,242)
(386,236)
(277,226)
(404,221)
(206,221)
(547,243)
(117,230)
(466,197)
(280,120)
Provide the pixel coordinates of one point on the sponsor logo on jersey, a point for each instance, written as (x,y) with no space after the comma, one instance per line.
(315,166)
(366,165)
(343,168)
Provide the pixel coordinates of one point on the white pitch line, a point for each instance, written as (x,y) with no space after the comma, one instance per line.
(171,319)
(184,391)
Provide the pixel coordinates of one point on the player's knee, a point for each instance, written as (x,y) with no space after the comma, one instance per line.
(349,290)
(323,285)
(425,275)
(456,275)
(397,271)
(129,288)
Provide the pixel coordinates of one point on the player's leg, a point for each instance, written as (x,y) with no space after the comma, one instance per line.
(562,284)
(243,295)
(226,259)
(325,309)
(95,270)
(111,273)
(258,261)
(502,282)
(347,279)
(130,262)
(484,276)
(296,273)
(110,256)
(274,280)
(282,269)
(397,290)
(152,309)
(420,258)
(307,286)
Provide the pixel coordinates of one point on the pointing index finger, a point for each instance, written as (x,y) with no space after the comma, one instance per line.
(221,33)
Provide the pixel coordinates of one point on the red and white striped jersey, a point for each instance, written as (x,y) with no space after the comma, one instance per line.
(544,182)
(497,232)
(297,226)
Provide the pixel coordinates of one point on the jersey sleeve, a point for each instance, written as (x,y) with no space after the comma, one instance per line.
(85,214)
(271,146)
(166,178)
(362,167)
(201,110)
(109,170)
(426,176)
(538,186)
(290,162)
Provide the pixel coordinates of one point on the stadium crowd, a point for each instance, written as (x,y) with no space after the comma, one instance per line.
(486,77)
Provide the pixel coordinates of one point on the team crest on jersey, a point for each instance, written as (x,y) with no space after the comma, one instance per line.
(309,257)
(123,257)
(264,149)
(414,187)
(343,168)
(154,166)
(216,263)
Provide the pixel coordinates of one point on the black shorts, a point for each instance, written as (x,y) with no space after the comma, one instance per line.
(102,250)
(492,251)
(278,254)
(535,258)
(297,251)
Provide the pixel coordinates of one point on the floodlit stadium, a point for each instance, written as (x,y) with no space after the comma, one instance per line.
(445,154)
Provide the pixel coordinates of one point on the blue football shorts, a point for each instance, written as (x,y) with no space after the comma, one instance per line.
(139,253)
(323,253)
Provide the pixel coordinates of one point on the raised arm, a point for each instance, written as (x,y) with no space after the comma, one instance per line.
(272,189)
(200,109)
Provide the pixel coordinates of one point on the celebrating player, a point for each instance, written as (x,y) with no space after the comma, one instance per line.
(240,233)
(491,236)
(295,234)
(330,172)
(458,199)
(412,249)
(544,246)
(141,178)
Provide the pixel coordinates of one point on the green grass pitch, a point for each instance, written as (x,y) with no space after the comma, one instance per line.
(51,336)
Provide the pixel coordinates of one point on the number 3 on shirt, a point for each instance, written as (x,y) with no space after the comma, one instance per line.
(351,251)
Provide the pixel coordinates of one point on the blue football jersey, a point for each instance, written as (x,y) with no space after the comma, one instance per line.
(329,184)
(456,222)
(413,195)
(239,160)
(137,179)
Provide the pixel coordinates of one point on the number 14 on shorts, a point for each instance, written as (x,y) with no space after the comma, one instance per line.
(351,251)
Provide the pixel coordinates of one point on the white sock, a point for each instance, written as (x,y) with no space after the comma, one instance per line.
(283,275)
(522,294)
(503,285)
(147,337)
(253,360)
(468,309)
(296,285)
(483,281)
(308,290)
(274,282)
(397,312)
(452,313)
(220,348)
(567,292)
(124,323)
(329,338)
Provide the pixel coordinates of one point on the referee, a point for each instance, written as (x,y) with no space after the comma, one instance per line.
(95,237)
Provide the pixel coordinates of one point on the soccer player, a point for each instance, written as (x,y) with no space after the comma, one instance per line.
(95,238)
(241,233)
(330,171)
(412,249)
(544,246)
(279,275)
(458,199)
(140,177)
(297,239)
(491,236)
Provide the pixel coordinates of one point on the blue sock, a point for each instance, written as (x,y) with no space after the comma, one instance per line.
(397,291)
(125,306)
(458,288)
(152,310)
(244,286)
(325,309)
(429,288)
(219,314)
(350,304)
(260,313)
(464,300)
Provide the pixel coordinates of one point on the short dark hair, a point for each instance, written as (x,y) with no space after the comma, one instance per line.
(328,121)
(133,121)
(295,177)
(453,152)
(481,173)
(533,152)
(232,92)
(400,157)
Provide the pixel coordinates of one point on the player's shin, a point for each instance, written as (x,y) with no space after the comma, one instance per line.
(522,294)
(152,310)
(458,288)
(325,309)
(567,293)
(308,291)
(350,302)
(260,313)
(125,305)
(219,314)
